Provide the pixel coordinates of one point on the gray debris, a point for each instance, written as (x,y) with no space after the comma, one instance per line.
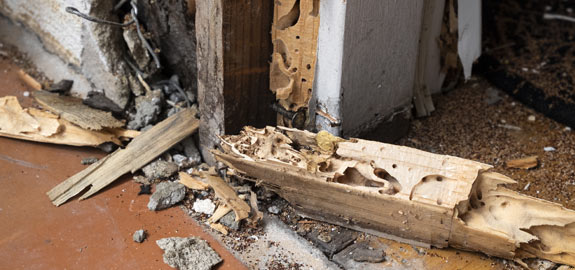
(139,236)
(89,160)
(172,111)
(141,180)
(176,97)
(98,100)
(182,161)
(229,220)
(362,255)
(338,240)
(274,209)
(367,254)
(204,206)
(167,194)
(108,147)
(148,108)
(192,253)
(62,87)
(160,169)
(191,151)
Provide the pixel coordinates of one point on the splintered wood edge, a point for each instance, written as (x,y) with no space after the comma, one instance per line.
(138,153)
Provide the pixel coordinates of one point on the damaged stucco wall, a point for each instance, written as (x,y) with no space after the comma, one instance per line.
(91,49)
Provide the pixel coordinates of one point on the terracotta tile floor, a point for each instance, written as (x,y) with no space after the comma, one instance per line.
(91,234)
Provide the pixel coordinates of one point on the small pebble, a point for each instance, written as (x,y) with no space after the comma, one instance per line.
(567,129)
(531,118)
(549,149)
(26,94)
(527,186)
(139,236)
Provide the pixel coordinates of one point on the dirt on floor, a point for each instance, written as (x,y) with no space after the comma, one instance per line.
(467,126)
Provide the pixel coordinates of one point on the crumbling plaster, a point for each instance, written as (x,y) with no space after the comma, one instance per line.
(93,50)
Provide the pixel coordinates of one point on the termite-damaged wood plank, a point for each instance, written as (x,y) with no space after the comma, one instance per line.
(294,35)
(73,110)
(402,192)
(138,153)
(233,52)
(35,125)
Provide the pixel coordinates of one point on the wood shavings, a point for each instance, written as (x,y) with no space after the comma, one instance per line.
(523,163)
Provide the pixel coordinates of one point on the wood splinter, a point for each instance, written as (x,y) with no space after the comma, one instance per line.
(402,193)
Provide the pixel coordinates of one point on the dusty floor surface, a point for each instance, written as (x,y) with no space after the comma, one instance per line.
(92,234)
(465,125)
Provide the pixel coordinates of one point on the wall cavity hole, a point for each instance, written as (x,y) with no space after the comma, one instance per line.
(308,66)
(439,202)
(303,80)
(503,204)
(294,69)
(394,166)
(482,204)
(297,37)
(439,178)
(479,195)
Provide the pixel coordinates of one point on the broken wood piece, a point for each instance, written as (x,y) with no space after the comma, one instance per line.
(191,182)
(27,79)
(220,212)
(294,36)
(404,194)
(35,125)
(256,215)
(220,228)
(73,110)
(142,150)
(229,196)
(523,163)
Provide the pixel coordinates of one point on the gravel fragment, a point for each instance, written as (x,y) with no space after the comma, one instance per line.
(167,194)
(139,236)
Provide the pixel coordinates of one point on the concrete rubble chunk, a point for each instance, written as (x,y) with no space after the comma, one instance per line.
(139,236)
(182,161)
(229,220)
(167,194)
(192,253)
(204,206)
(148,108)
(159,169)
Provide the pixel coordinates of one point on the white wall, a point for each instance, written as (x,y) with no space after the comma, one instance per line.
(94,50)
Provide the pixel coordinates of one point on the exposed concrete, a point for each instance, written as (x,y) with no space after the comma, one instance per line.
(93,50)
(167,194)
(159,169)
(190,253)
(148,108)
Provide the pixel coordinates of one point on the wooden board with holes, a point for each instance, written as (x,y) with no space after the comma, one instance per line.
(402,193)
(294,35)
